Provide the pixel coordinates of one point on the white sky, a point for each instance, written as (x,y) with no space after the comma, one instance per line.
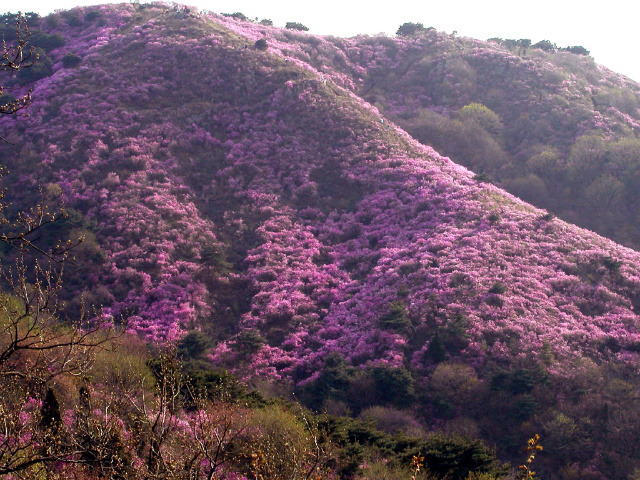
(609,29)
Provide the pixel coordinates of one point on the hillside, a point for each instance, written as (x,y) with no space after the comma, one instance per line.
(546,123)
(255,195)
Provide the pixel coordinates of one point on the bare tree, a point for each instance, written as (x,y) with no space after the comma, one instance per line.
(15,56)
(156,416)
(213,430)
(35,348)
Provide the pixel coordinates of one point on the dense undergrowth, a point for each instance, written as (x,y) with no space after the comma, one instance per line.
(251,195)
(111,407)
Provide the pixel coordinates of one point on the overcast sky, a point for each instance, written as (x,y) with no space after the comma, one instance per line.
(607,28)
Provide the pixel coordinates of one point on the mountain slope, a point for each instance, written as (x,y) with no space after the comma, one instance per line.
(240,192)
(560,131)
(169,165)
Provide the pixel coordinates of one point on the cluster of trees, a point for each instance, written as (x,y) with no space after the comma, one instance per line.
(521,45)
(594,184)
(266,22)
(410,28)
(580,415)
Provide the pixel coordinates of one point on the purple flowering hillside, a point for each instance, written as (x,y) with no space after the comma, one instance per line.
(256,194)
(546,123)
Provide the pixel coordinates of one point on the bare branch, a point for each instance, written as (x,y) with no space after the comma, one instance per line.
(16,56)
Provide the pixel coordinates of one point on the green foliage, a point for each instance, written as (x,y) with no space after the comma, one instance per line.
(394,386)
(11,19)
(408,268)
(248,342)
(604,193)
(91,16)
(333,382)
(214,255)
(396,318)
(403,291)
(546,45)
(530,187)
(123,363)
(46,41)
(71,60)
(510,43)
(586,158)
(482,116)
(612,265)
(335,189)
(295,26)
(9,22)
(392,421)
(454,334)
(576,50)
(41,69)
(546,163)
(72,18)
(267,22)
(519,46)
(466,142)
(204,381)
(519,380)
(482,177)
(237,15)
(409,28)
(356,388)
(623,157)
(454,386)
(447,456)
(277,446)
(561,433)
(261,44)
(436,351)
(193,345)
(351,436)
(383,471)
(457,457)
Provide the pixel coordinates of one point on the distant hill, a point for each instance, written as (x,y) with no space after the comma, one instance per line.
(266,194)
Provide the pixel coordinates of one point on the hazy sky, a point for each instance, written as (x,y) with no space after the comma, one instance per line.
(607,28)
